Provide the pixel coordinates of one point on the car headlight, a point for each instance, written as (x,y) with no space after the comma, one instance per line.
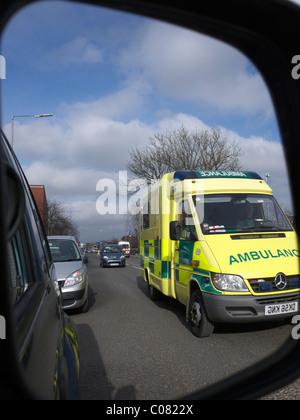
(105,258)
(229,283)
(75,278)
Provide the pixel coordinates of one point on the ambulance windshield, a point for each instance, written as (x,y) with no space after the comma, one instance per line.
(225,213)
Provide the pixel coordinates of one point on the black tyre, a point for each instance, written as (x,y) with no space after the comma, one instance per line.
(154,293)
(199,323)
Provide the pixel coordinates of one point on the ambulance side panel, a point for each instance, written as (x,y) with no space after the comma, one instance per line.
(155,256)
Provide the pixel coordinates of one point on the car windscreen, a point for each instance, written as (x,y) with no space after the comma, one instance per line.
(63,250)
(112,250)
(224,213)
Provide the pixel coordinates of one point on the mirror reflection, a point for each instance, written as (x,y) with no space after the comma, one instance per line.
(99,105)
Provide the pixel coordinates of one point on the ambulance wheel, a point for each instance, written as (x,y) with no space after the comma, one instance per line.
(199,323)
(154,293)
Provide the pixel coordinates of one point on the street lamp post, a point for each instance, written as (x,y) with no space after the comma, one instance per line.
(24,116)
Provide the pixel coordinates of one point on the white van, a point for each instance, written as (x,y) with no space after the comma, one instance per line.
(125,248)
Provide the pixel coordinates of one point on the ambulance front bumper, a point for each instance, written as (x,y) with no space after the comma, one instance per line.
(247,309)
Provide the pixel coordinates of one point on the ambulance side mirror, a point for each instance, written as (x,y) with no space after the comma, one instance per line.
(175,231)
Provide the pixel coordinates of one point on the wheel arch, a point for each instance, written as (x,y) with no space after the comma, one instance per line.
(146,275)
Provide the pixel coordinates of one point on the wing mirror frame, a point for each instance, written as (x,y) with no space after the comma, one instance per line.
(15,203)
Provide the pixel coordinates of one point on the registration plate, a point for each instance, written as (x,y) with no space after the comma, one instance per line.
(114,264)
(283,308)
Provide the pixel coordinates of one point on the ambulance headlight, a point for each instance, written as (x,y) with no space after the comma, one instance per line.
(229,283)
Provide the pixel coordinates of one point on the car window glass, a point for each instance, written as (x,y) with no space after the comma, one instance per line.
(39,262)
(40,233)
(20,280)
(116,82)
(112,250)
(186,221)
(233,213)
(64,250)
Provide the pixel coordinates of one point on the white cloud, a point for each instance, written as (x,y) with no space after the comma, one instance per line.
(78,51)
(63,182)
(263,156)
(172,122)
(95,227)
(89,135)
(190,66)
(118,104)
(70,156)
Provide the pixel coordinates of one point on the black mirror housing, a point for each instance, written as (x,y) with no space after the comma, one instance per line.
(175,231)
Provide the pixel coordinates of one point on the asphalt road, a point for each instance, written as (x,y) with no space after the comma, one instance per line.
(132,348)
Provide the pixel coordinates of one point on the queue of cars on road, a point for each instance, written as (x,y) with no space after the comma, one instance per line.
(71,270)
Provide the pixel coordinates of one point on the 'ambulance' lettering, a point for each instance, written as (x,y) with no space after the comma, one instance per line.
(265,254)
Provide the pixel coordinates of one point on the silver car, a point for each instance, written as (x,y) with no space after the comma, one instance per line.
(71,272)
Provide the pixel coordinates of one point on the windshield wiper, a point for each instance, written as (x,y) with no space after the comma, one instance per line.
(230,229)
(263,227)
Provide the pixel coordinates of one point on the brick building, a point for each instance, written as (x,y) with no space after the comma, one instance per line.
(39,194)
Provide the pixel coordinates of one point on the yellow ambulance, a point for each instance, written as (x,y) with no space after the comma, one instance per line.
(218,242)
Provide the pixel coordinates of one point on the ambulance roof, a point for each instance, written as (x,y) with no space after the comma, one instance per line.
(182,175)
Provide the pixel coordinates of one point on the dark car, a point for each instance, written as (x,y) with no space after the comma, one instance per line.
(112,256)
(40,341)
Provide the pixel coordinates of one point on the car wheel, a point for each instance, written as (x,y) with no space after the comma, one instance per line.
(199,323)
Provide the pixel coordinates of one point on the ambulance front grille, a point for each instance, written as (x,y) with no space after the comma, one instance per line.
(267,285)
(277,300)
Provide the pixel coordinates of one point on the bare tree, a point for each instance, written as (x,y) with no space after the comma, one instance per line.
(182,149)
(57,222)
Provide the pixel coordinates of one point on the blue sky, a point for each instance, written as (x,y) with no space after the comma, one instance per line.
(113,80)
